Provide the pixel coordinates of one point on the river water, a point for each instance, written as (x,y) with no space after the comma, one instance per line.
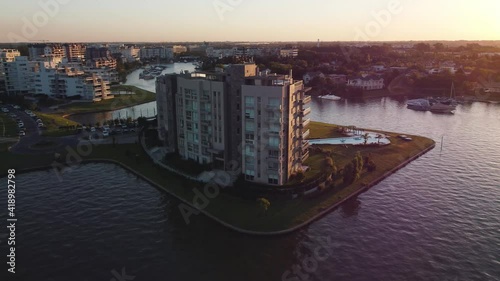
(436,219)
(141,110)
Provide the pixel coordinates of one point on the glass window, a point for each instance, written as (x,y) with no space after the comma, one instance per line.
(249,101)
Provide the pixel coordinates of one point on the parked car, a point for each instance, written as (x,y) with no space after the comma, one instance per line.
(40,125)
(17,107)
(39,120)
(4,109)
(20,124)
(105,133)
(22,133)
(92,129)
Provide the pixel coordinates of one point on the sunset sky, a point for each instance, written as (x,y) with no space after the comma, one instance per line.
(249,20)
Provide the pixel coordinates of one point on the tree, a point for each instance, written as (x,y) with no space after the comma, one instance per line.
(366,136)
(348,173)
(142,122)
(438,47)
(263,204)
(358,164)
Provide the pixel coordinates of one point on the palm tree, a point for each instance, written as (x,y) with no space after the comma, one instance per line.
(366,136)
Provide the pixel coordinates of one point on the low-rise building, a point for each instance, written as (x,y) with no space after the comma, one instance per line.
(368,82)
(309,76)
(66,82)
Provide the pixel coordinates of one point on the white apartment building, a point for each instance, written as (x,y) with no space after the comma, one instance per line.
(241,115)
(70,83)
(18,75)
(289,53)
(368,83)
(157,52)
(6,55)
(274,126)
(200,118)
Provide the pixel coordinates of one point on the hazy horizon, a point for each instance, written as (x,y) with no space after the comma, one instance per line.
(249,21)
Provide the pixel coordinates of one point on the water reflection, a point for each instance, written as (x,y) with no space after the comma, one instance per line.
(351,207)
(134,112)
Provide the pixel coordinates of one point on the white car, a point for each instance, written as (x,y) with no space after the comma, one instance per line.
(20,124)
(40,125)
(92,129)
(22,133)
(105,133)
(39,120)
(5,110)
(17,107)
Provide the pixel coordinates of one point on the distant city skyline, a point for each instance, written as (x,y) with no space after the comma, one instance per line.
(244,20)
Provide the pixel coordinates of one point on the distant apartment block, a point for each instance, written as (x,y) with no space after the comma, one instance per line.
(68,82)
(238,117)
(6,55)
(75,52)
(46,50)
(157,53)
(107,62)
(178,49)
(289,53)
(18,76)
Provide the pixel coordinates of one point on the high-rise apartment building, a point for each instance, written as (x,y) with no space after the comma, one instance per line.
(238,117)
(18,76)
(6,55)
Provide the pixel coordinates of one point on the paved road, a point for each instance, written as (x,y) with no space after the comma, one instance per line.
(34,136)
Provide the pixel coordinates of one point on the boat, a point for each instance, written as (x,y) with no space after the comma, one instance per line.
(419,104)
(447,105)
(330,97)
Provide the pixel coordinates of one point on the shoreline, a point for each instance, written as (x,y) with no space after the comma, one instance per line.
(238,229)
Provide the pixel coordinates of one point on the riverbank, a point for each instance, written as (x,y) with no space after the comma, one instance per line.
(140,96)
(246,215)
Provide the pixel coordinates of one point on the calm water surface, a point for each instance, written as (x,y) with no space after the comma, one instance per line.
(146,109)
(436,219)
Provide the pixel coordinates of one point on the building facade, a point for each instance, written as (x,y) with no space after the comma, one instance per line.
(240,117)
(275,128)
(70,83)
(367,82)
(18,76)
(6,55)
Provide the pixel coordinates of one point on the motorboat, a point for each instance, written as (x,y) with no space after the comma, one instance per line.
(330,97)
(419,104)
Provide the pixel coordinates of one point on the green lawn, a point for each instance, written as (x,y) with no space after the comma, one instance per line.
(246,213)
(120,101)
(8,126)
(323,130)
(52,122)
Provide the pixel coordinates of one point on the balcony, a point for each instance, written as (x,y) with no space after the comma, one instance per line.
(305,156)
(305,145)
(305,112)
(306,122)
(306,100)
(306,134)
